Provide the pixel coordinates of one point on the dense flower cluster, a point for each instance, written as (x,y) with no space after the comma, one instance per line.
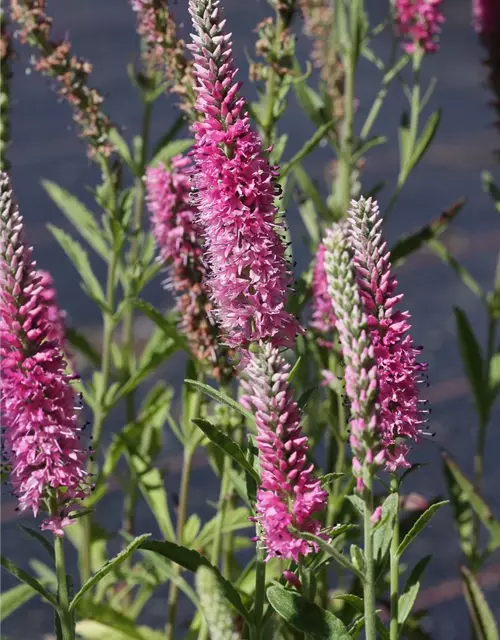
(163,50)
(55,60)
(39,413)
(236,188)
(6,56)
(323,317)
(418,21)
(361,382)
(178,236)
(319,22)
(289,495)
(398,372)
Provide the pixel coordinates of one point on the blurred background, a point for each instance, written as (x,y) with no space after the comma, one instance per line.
(44,145)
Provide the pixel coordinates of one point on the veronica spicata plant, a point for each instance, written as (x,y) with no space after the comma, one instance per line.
(252,397)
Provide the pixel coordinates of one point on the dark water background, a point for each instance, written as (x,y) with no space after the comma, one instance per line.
(45,146)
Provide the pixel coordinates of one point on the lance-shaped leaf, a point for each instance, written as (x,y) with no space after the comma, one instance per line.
(410,244)
(419,526)
(220,397)
(482,617)
(24,577)
(410,591)
(192,560)
(14,598)
(306,616)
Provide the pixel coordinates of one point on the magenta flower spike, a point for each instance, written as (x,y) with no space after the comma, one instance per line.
(418,21)
(289,495)
(398,372)
(39,414)
(179,238)
(236,188)
(486,18)
(361,381)
(323,316)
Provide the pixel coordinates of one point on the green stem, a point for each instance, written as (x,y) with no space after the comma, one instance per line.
(369,584)
(65,617)
(181,521)
(260,587)
(131,492)
(268,126)
(345,158)
(394,568)
(481,440)
(100,410)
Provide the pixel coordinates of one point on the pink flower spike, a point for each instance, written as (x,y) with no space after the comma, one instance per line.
(323,316)
(38,403)
(418,21)
(361,382)
(289,495)
(236,188)
(179,238)
(398,372)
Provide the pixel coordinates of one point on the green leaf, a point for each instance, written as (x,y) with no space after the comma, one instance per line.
(79,216)
(176,128)
(306,616)
(191,560)
(410,591)
(220,397)
(419,526)
(108,567)
(164,323)
(473,362)
(93,630)
(482,617)
(80,260)
(39,537)
(294,370)
(80,342)
(367,145)
(227,445)
(171,149)
(445,256)
(357,503)
(303,401)
(476,502)
(234,520)
(423,142)
(122,148)
(334,553)
(357,603)
(491,188)
(357,557)
(146,367)
(383,533)
(309,189)
(409,244)
(494,377)
(109,618)
(15,598)
(24,577)
(463,514)
(309,146)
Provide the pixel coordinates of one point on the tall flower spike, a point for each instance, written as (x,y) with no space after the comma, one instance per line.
(38,404)
(163,50)
(236,188)
(56,61)
(178,237)
(323,316)
(398,372)
(419,22)
(360,367)
(289,495)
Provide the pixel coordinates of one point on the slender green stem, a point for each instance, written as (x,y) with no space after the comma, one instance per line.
(481,440)
(100,409)
(65,618)
(369,584)
(181,521)
(394,568)
(345,159)
(271,87)
(131,492)
(260,587)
